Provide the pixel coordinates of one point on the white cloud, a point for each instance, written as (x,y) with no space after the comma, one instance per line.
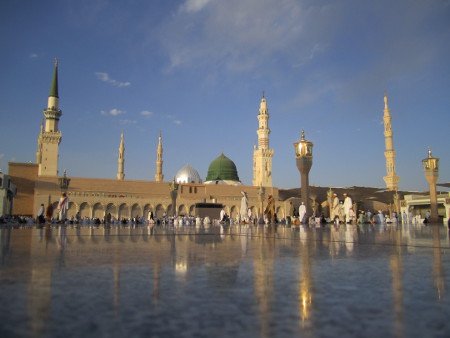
(174,119)
(146,113)
(105,78)
(33,56)
(113,112)
(192,6)
(241,35)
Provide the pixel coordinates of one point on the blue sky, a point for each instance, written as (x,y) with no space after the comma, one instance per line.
(195,69)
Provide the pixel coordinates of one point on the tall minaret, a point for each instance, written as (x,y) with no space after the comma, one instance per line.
(262,154)
(391,178)
(121,159)
(159,160)
(50,137)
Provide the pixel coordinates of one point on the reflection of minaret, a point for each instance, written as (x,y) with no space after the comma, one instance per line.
(397,286)
(39,285)
(50,137)
(159,177)
(438,270)
(156,277)
(262,154)
(121,159)
(116,273)
(263,266)
(391,178)
(39,299)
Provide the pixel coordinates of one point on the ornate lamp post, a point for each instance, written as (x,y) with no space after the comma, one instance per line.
(304,156)
(173,196)
(431,168)
(64,182)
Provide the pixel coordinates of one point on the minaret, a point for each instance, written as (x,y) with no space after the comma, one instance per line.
(50,137)
(391,178)
(159,160)
(121,159)
(262,154)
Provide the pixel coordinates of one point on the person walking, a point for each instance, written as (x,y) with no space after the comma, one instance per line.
(63,206)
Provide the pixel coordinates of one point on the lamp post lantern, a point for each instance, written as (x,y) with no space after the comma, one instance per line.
(64,182)
(304,157)
(431,169)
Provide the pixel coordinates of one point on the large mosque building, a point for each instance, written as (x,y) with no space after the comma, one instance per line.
(41,182)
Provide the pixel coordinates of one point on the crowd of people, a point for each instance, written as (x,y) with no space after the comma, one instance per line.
(341,212)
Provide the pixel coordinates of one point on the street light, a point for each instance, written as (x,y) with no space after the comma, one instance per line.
(304,157)
(431,169)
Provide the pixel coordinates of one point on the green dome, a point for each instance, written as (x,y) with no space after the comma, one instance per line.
(222,169)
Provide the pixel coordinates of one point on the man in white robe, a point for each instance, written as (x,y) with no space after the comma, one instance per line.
(244,207)
(63,205)
(222,215)
(347,206)
(381,219)
(301,212)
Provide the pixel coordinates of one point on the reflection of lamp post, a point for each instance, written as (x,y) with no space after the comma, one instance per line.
(431,168)
(64,182)
(304,156)
(173,195)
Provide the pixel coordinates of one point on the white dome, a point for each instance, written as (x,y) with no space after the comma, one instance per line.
(187,174)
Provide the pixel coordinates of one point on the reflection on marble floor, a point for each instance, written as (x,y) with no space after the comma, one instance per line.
(238,280)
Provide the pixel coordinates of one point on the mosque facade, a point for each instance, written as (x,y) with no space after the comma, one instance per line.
(41,183)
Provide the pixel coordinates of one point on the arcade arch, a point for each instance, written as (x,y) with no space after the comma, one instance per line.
(136,210)
(85,210)
(124,211)
(98,211)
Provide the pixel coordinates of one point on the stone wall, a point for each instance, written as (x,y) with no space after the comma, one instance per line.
(24,176)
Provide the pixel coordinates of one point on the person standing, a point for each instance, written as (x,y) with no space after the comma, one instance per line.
(150,217)
(348,204)
(63,206)
(244,207)
(222,215)
(351,216)
(40,215)
(302,212)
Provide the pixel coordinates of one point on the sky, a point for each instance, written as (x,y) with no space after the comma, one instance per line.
(196,70)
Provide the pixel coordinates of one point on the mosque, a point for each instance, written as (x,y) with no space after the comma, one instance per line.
(41,183)
(33,184)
